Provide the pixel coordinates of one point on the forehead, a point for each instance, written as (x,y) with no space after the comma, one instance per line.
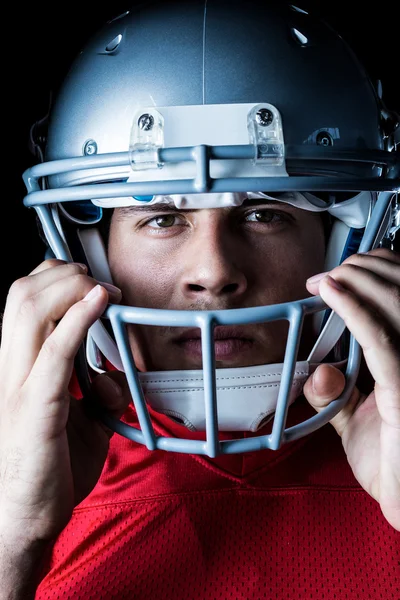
(233,201)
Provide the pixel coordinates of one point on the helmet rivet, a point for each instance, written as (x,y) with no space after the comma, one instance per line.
(89,148)
(146,122)
(264,117)
(324,139)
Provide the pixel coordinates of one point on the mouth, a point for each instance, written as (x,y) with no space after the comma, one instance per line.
(229,343)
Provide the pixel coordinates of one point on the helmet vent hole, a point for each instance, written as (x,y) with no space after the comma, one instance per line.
(113,45)
(297,9)
(299,37)
(124,14)
(324,139)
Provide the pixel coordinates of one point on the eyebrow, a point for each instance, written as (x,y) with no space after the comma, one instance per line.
(127,211)
(151,208)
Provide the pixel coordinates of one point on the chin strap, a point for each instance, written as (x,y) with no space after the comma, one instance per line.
(247,397)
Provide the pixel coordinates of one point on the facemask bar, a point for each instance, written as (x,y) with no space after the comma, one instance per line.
(203,182)
(294,312)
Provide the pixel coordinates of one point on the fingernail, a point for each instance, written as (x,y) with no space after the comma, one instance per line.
(81,265)
(93,294)
(316,278)
(111,288)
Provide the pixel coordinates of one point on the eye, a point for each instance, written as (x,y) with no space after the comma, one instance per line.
(163,221)
(265,216)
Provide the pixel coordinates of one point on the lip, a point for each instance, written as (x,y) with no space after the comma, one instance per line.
(220,333)
(229,342)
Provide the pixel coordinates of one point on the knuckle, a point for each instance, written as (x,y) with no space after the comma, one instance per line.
(74,269)
(20,289)
(382,253)
(80,281)
(346,270)
(52,262)
(354,259)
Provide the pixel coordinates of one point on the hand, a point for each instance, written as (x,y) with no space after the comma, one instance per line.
(365,292)
(51,453)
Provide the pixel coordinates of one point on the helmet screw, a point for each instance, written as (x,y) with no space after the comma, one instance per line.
(324,139)
(89,148)
(146,122)
(264,117)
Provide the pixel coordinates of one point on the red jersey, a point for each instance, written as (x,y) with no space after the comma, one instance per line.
(284,525)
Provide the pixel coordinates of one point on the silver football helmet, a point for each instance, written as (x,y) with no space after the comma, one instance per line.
(204,104)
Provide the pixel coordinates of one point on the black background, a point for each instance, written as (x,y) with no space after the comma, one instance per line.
(41,39)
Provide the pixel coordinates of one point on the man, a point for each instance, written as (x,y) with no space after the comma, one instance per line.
(89,514)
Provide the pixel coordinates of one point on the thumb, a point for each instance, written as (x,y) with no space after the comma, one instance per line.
(112,392)
(325,385)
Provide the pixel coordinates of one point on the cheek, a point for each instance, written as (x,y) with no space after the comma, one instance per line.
(308,257)
(313,248)
(145,277)
(310,245)
(283,265)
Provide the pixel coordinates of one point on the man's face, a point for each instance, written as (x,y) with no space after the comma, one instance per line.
(260,253)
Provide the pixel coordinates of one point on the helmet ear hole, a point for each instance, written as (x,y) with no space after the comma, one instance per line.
(81,212)
(177,420)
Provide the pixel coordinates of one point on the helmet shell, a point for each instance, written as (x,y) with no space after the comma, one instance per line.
(220,52)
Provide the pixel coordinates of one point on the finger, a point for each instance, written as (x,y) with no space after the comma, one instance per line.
(391,255)
(112,391)
(51,373)
(325,385)
(47,275)
(379,341)
(383,262)
(51,274)
(37,319)
(49,264)
(375,289)
(387,266)
(44,275)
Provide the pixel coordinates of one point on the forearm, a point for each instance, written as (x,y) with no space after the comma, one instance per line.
(20,569)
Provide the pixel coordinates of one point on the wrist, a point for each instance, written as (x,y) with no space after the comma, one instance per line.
(21,566)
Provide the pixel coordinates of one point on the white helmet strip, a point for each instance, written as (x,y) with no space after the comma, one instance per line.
(354,212)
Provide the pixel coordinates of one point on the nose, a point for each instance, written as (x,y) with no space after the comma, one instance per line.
(214,264)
